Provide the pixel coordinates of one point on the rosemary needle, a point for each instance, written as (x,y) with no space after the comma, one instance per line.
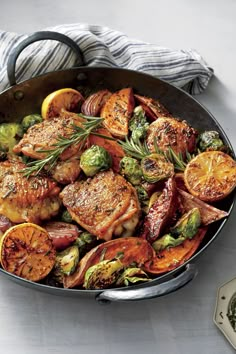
(79,135)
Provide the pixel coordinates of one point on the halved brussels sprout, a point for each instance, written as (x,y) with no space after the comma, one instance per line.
(188,224)
(138,124)
(30,120)
(130,169)
(132,276)
(103,274)
(210,140)
(95,159)
(67,260)
(9,132)
(155,168)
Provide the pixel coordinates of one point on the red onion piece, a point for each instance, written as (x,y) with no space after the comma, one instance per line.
(62,234)
(5,223)
(94,103)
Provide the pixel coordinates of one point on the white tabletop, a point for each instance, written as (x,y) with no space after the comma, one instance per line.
(181,323)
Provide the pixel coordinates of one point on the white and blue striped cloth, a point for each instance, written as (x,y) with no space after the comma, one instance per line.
(102,46)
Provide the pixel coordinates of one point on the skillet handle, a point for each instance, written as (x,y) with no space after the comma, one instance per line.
(149,292)
(38,36)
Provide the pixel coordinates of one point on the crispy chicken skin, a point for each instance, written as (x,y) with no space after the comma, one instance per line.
(104,205)
(67,171)
(171,132)
(26,200)
(44,136)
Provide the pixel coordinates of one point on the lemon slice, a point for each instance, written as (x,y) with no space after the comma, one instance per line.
(210,176)
(67,99)
(27,251)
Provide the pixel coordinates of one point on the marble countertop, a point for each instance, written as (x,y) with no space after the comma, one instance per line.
(36,323)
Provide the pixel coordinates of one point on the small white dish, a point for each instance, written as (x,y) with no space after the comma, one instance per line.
(224,296)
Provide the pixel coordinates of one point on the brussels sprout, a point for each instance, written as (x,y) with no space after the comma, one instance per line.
(85,242)
(67,260)
(103,274)
(167,241)
(138,124)
(130,169)
(9,132)
(66,217)
(155,168)
(142,194)
(188,224)
(210,140)
(132,276)
(30,120)
(95,159)
(3,153)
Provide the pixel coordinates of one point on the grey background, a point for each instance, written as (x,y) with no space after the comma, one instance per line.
(180,323)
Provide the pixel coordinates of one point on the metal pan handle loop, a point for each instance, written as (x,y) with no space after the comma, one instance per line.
(149,292)
(35,37)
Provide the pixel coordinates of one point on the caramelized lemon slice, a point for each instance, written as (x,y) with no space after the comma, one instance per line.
(27,251)
(67,99)
(210,176)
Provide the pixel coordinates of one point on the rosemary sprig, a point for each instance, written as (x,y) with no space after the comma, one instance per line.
(79,135)
(139,150)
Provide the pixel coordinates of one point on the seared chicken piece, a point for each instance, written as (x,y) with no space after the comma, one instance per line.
(104,205)
(171,132)
(21,199)
(44,136)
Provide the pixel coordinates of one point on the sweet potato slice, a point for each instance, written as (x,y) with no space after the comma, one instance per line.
(153,108)
(114,149)
(117,112)
(161,212)
(171,258)
(208,213)
(130,250)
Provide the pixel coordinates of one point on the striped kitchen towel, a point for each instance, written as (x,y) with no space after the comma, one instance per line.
(102,46)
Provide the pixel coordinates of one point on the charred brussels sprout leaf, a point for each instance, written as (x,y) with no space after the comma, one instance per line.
(67,260)
(130,169)
(210,140)
(66,217)
(138,124)
(188,224)
(30,120)
(9,135)
(132,276)
(85,242)
(3,153)
(167,241)
(155,168)
(142,194)
(95,159)
(103,274)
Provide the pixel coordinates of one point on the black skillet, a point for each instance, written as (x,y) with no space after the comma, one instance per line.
(26,98)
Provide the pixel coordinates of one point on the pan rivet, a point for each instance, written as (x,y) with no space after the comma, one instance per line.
(19,95)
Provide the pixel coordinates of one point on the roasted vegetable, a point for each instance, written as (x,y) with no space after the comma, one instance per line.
(9,133)
(95,159)
(210,140)
(138,124)
(103,274)
(30,120)
(3,153)
(167,241)
(66,217)
(187,226)
(172,257)
(160,213)
(62,234)
(85,242)
(67,260)
(132,276)
(142,195)
(129,250)
(131,170)
(155,168)
(117,112)
(153,108)
(94,103)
